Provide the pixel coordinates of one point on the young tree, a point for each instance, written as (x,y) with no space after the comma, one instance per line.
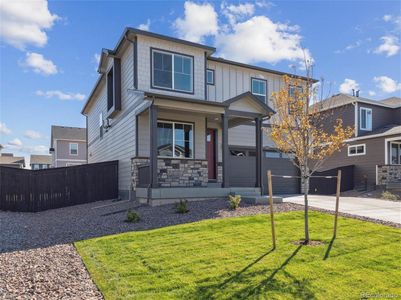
(307,135)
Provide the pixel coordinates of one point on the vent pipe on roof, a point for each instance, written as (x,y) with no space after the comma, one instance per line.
(353,92)
(357,93)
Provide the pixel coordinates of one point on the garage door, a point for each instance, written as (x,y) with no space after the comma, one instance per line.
(242,172)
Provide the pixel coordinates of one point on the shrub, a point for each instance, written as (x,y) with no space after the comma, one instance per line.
(181,207)
(234,201)
(390,196)
(132,216)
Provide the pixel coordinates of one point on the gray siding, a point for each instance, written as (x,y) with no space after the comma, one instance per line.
(231,81)
(144,68)
(199,131)
(365,165)
(381,116)
(118,143)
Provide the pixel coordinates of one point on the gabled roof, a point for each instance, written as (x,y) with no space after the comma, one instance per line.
(265,109)
(344,99)
(41,159)
(67,133)
(395,101)
(253,67)
(386,130)
(10,160)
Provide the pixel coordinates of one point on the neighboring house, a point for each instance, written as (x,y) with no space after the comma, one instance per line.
(375,148)
(9,160)
(182,123)
(39,162)
(68,146)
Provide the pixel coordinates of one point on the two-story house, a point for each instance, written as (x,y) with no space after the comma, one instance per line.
(375,148)
(68,146)
(39,162)
(9,160)
(181,122)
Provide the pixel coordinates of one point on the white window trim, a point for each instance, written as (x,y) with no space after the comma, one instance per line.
(70,148)
(256,94)
(356,146)
(172,70)
(369,125)
(212,72)
(193,139)
(390,147)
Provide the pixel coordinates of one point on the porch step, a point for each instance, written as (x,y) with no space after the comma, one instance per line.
(214,184)
(261,199)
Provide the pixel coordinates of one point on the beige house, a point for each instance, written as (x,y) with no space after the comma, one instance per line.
(9,160)
(68,146)
(181,122)
(39,162)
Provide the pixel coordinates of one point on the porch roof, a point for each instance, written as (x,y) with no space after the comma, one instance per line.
(251,101)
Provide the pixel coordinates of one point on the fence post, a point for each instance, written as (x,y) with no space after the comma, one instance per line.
(337,202)
(269,183)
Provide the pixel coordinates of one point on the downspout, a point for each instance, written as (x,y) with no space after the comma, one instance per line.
(356,125)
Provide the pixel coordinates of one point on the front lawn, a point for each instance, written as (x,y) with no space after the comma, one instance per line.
(231,258)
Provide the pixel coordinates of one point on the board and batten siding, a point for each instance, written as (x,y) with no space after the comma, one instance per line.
(145,44)
(231,81)
(118,143)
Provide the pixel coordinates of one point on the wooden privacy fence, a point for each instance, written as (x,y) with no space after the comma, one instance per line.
(32,191)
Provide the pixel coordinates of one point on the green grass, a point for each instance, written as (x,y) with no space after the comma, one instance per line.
(231,258)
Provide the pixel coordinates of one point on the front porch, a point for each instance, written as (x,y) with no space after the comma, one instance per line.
(183,148)
(389,175)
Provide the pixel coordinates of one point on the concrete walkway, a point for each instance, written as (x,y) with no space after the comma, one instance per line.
(366,207)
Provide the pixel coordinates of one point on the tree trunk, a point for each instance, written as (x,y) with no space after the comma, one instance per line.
(306,217)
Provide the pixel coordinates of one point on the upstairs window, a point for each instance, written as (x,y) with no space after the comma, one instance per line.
(365,119)
(210,76)
(113,84)
(73,149)
(172,71)
(357,150)
(259,89)
(293,90)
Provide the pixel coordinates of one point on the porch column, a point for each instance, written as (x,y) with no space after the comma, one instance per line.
(153,146)
(259,151)
(224,129)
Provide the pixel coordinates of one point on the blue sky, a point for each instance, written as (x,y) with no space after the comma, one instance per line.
(48,58)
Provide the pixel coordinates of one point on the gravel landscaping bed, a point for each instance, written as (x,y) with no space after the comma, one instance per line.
(55,272)
(21,231)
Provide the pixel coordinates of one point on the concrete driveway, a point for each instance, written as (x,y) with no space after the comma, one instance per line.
(365,207)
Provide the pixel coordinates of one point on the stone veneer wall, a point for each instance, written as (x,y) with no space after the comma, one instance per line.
(182,172)
(135,162)
(176,172)
(388,173)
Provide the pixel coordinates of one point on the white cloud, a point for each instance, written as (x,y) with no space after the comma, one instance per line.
(387,84)
(145,26)
(372,93)
(60,95)
(15,142)
(199,20)
(39,64)
(96,57)
(259,39)
(25,22)
(32,134)
(237,12)
(348,85)
(4,129)
(390,45)
(396,20)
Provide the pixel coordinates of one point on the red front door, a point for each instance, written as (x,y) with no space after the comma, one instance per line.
(211,152)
